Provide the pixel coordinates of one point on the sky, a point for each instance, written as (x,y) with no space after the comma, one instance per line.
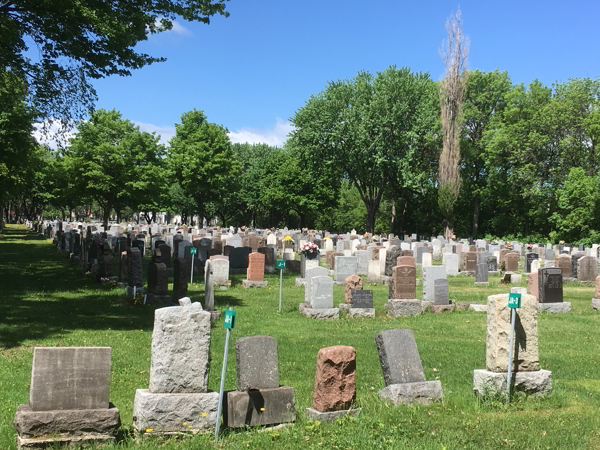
(251,71)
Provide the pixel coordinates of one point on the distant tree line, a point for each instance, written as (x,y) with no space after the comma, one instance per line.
(364,154)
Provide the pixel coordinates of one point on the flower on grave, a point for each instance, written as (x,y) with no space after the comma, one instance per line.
(288,238)
(375,238)
(561,242)
(309,248)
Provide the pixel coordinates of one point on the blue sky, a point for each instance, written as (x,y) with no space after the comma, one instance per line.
(252,71)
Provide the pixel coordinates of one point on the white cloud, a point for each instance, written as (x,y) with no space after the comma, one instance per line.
(177,28)
(274,136)
(166,133)
(53,133)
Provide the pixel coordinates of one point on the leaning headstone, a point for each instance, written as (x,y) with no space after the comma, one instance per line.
(259,398)
(178,399)
(335,384)
(402,370)
(527,374)
(68,399)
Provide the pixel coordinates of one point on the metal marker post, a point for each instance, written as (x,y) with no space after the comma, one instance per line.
(229,325)
(280,264)
(193,253)
(514,302)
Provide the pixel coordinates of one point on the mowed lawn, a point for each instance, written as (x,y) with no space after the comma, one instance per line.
(45,300)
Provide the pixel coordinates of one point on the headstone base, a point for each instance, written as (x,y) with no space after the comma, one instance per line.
(440,309)
(362,312)
(168,413)
(555,308)
(330,416)
(463,306)
(222,284)
(41,429)
(344,307)
(478,307)
(401,308)
(537,382)
(482,283)
(255,284)
(300,282)
(469,273)
(322,313)
(422,393)
(301,306)
(214,315)
(596,304)
(259,407)
(156,298)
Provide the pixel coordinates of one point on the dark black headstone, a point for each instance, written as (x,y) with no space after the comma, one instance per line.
(362,298)
(238,257)
(550,285)
(529,257)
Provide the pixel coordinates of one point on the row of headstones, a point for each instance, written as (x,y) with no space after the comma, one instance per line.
(69,391)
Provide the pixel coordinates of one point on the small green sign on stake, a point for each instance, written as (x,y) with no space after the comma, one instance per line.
(280,264)
(193,250)
(229,319)
(514,300)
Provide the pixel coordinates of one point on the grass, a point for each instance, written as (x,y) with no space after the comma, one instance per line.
(47,301)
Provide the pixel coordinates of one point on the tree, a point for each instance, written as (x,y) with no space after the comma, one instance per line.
(202,160)
(81,40)
(113,162)
(452,93)
(360,129)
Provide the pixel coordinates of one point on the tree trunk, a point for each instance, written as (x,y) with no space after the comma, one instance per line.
(371,216)
(106,215)
(394,220)
(476,216)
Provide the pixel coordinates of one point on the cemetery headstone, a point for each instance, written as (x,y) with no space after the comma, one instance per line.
(403,284)
(481,273)
(256,271)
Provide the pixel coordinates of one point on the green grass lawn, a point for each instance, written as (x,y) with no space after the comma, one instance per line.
(45,300)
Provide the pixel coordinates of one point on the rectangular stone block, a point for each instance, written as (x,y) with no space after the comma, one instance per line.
(70,378)
(430,274)
(399,357)
(169,413)
(180,349)
(321,292)
(362,298)
(403,283)
(550,285)
(259,407)
(526,350)
(257,363)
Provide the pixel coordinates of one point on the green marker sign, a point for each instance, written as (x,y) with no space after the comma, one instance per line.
(280,264)
(193,250)
(229,319)
(514,301)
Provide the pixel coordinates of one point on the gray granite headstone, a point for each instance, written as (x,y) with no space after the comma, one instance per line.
(481,273)
(209,288)
(399,357)
(257,363)
(64,378)
(492,263)
(344,267)
(310,274)
(321,292)
(430,274)
(420,251)
(440,291)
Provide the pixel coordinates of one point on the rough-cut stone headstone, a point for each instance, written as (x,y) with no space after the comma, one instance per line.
(403,284)
(399,357)
(391,257)
(257,363)
(70,378)
(526,350)
(180,349)
(353,282)
(335,381)
(550,285)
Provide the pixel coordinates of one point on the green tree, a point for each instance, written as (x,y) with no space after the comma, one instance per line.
(202,160)
(81,40)
(112,162)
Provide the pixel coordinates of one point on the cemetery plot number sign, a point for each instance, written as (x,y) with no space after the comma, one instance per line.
(280,264)
(193,250)
(514,301)
(229,319)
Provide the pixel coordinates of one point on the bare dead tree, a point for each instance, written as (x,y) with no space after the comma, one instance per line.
(455,55)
